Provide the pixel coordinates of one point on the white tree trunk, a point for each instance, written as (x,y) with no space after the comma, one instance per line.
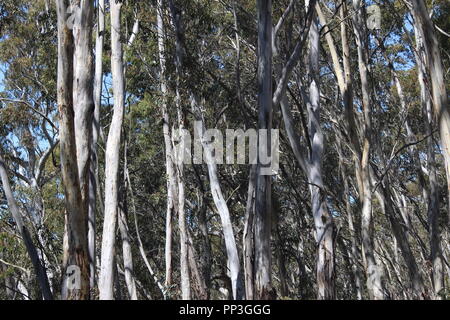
(106,279)
(322,218)
(221,205)
(170,170)
(127,255)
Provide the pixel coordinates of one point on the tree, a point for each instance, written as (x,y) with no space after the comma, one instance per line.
(263,202)
(76,250)
(112,158)
(31,249)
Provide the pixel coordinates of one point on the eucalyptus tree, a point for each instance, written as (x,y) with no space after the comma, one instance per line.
(112,156)
(263,200)
(75,171)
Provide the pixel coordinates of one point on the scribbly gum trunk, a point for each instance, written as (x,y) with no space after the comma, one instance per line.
(263,203)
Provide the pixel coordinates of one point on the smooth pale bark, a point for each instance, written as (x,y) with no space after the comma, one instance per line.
(75,238)
(433,205)
(122,210)
(436,71)
(221,205)
(374,281)
(352,133)
(106,279)
(125,235)
(184,254)
(332,47)
(93,170)
(41,275)
(83,103)
(311,164)
(171,210)
(294,57)
(22,288)
(323,220)
(343,74)
(127,255)
(263,201)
